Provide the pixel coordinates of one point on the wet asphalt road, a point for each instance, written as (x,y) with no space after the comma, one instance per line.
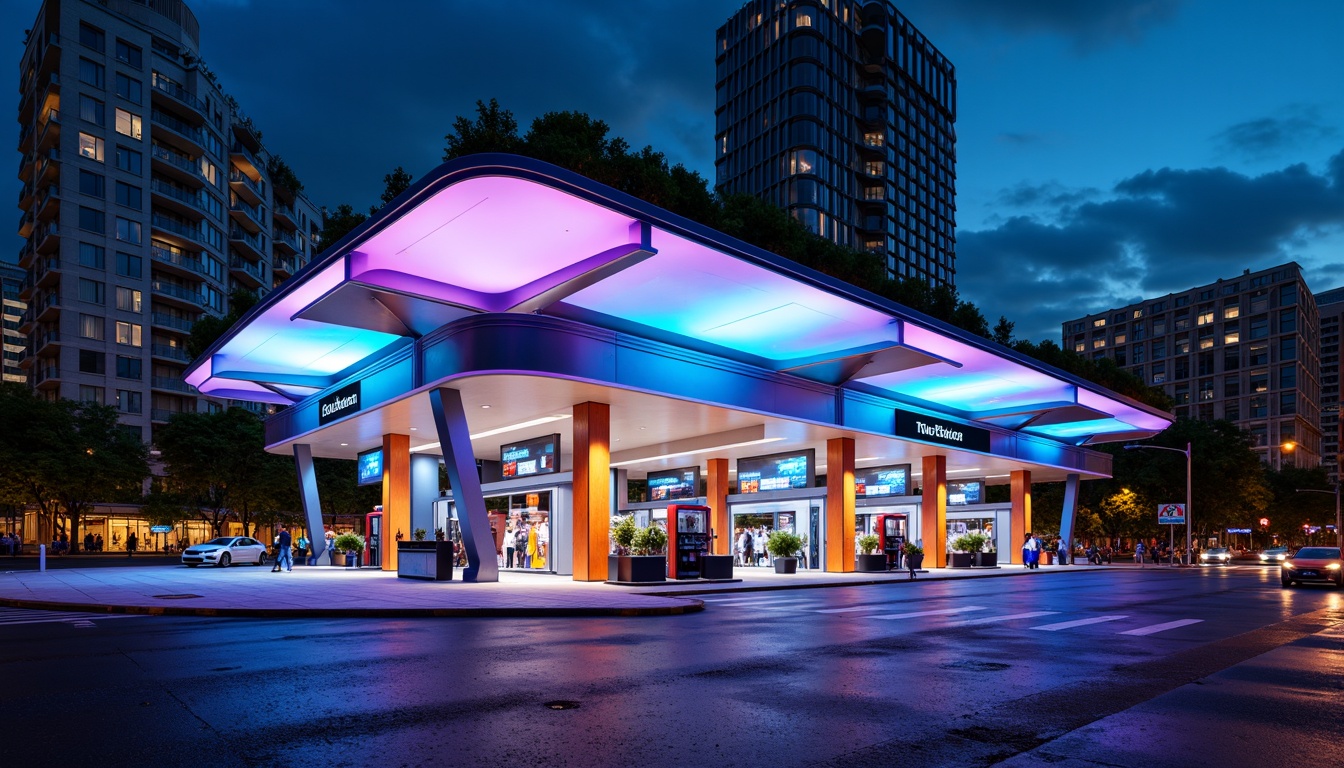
(951,673)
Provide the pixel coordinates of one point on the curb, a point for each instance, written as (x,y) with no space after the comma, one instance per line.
(690,606)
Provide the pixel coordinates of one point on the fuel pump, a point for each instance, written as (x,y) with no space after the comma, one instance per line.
(891,532)
(687,539)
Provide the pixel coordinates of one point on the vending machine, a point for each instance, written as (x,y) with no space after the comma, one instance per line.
(891,535)
(373,530)
(687,540)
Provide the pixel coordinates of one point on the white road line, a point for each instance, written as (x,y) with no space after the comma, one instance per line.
(758,602)
(852,609)
(1077,623)
(1009,617)
(939,612)
(66,618)
(1155,628)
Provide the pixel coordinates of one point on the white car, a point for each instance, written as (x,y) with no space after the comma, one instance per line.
(1215,556)
(225,551)
(1274,555)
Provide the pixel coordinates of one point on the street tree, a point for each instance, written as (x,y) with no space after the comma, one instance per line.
(218,461)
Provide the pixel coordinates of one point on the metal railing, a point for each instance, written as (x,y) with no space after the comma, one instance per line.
(178,161)
(170,352)
(165,223)
(168,321)
(171,383)
(192,132)
(255,270)
(177,259)
(236,175)
(177,92)
(177,291)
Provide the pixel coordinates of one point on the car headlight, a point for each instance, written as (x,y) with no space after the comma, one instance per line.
(1288,566)
(1332,567)
(1282,557)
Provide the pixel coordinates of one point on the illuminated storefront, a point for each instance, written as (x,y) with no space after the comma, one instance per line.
(551,339)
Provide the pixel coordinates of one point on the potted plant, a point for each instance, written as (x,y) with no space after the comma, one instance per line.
(640,552)
(914,555)
(965,548)
(351,544)
(418,534)
(869,559)
(784,545)
(438,534)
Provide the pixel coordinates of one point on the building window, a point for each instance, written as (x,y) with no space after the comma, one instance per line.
(129,367)
(1231,386)
(1159,373)
(1288,377)
(1182,394)
(1260,382)
(1205,335)
(1182,345)
(88,394)
(91,73)
(1138,350)
(1159,349)
(1180,368)
(1182,320)
(128,160)
(1287,295)
(875,168)
(1205,316)
(129,265)
(92,256)
(91,327)
(128,88)
(92,361)
(128,231)
(1259,327)
(90,146)
(92,37)
(1098,343)
(128,300)
(128,401)
(1231,358)
(874,138)
(91,184)
(129,333)
(1232,409)
(1080,347)
(1287,320)
(1232,312)
(1258,407)
(129,196)
(1100,322)
(1257,354)
(128,124)
(92,219)
(1287,403)
(803,18)
(92,110)
(1159,326)
(130,54)
(1119,338)
(92,291)
(1231,333)
(1288,349)
(1206,389)
(802,161)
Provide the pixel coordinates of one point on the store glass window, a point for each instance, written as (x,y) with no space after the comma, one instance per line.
(981,525)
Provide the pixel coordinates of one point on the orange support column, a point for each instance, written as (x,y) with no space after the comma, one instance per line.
(1019,517)
(592,490)
(716,498)
(396,496)
(933,512)
(840,505)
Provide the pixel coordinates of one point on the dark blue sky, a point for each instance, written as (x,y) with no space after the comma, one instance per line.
(1107,149)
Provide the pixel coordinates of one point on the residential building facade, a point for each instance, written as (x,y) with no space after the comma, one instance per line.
(842,113)
(15,343)
(1244,349)
(147,198)
(1330,304)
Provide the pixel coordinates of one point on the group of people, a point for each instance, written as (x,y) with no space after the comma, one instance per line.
(11,544)
(526,543)
(1033,547)
(93,542)
(749,547)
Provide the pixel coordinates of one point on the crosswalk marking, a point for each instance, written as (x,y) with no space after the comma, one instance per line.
(851,609)
(748,601)
(939,612)
(1077,623)
(1009,617)
(20,616)
(1155,628)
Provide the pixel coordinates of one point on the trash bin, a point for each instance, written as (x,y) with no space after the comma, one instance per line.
(1047,557)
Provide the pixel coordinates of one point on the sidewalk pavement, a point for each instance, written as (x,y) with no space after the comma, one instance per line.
(317,591)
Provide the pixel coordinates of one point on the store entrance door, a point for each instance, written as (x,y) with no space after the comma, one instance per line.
(760,520)
(373,525)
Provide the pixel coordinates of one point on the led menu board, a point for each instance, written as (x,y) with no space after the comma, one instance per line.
(674,484)
(776,472)
(893,480)
(370,466)
(538,456)
(965,492)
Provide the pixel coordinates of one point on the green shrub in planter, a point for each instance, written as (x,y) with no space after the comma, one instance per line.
(349,542)
(868,544)
(783,544)
(418,534)
(912,549)
(623,530)
(649,541)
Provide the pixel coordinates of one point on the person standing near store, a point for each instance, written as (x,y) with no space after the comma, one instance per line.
(508,544)
(520,545)
(543,544)
(747,544)
(130,544)
(1138,553)
(1029,552)
(1063,551)
(284,550)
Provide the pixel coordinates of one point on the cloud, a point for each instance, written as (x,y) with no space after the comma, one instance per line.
(1296,127)
(1088,24)
(1051,194)
(1155,232)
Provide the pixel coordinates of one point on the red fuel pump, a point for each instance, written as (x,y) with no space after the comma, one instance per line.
(373,529)
(687,540)
(891,537)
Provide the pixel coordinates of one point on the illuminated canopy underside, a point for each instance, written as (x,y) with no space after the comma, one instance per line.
(494,234)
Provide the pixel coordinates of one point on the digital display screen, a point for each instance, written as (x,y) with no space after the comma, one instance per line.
(965,492)
(370,467)
(777,472)
(882,481)
(674,484)
(538,456)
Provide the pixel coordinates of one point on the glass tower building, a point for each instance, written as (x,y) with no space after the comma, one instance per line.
(842,113)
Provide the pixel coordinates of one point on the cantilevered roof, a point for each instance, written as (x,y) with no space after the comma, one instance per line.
(500,233)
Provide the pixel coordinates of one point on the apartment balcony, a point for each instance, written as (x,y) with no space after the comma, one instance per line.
(180,201)
(27,165)
(27,194)
(170,352)
(174,230)
(49,134)
(284,268)
(247,273)
(253,246)
(176,166)
(49,56)
(873,91)
(27,220)
(172,293)
(47,236)
(46,92)
(50,170)
(285,215)
(170,94)
(26,253)
(171,384)
(249,217)
(162,414)
(50,203)
(246,188)
(286,241)
(44,341)
(186,137)
(45,273)
(161,320)
(178,263)
(45,308)
(46,376)
(246,160)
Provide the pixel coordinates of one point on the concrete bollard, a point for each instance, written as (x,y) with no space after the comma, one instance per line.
(41,557)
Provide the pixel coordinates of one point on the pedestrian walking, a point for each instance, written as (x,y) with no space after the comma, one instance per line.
(1031,552)
(1138,553)
(284,550)
(1063,552)
(131,543)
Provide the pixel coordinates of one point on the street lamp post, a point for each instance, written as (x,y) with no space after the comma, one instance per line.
(1189,477)
(1339,522)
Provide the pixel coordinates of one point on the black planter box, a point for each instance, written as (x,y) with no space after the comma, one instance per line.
(987,559)
(786,565)
(426,560)
(637,568)
(870,563)
(961,560)
(716,567)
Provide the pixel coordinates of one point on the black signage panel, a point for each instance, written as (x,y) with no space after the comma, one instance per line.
(338,404)
(777,472)
(672,484)
(917,426)
(538,456)
(892,480)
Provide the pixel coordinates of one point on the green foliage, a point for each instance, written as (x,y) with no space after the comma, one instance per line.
(163,508)
(623,530)
(419,534)
(912,548)
(494,130)
(337,224)
(970,542)
(394,183)
(868,543)
(651,540)
(783,543)
(282,176)
(348,542)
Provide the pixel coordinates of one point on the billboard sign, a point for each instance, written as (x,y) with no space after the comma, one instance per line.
(1171,514)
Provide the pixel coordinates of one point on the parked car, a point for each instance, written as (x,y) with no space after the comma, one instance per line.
(225,551)
(1215,556)
(1274,555)
(1318,564)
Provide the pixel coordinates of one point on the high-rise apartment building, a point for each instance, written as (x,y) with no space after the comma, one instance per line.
(1331,306)
(147,197)
(1243,349)
(842,113)
(15,343)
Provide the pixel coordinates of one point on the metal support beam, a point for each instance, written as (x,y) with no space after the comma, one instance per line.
(1067,519)
(455,440)
(312,508)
